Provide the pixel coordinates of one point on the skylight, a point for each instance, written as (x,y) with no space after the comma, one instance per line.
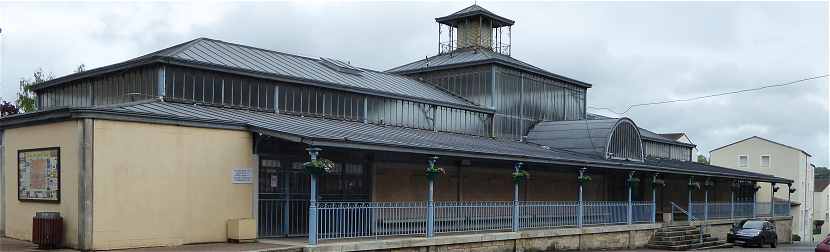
(340,66)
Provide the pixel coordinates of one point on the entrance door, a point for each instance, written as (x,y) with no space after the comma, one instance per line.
(283,198)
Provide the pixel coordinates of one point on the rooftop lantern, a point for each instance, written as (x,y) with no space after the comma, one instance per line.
(474,28)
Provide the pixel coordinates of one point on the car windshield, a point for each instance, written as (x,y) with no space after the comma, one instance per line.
(753,225)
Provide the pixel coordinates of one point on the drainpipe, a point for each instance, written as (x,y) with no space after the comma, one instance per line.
(654,199)
(312,201)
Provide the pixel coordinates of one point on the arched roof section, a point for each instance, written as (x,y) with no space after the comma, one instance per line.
(613,138)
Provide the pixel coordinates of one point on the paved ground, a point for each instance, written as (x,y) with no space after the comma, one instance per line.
(7,244)
(805,246)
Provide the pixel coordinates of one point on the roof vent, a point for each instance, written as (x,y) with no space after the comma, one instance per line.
(340,66)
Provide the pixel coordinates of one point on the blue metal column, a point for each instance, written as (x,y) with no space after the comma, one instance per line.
(772,200)
(654,199)
(431,201)
(515,221)
(312,200)
(706,204)
(732,201)
(581,209)
(691,179)
(754,200)
(789,202)
(630,207)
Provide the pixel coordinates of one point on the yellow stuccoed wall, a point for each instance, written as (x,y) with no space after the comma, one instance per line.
(161,185)
(67,136)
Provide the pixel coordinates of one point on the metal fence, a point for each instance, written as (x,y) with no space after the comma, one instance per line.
(339,220)
(726,210)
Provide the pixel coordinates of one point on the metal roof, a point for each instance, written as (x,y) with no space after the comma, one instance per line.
(240,59)
(470,57)
(649,135)
(474,10)
(582,136)
(347,134)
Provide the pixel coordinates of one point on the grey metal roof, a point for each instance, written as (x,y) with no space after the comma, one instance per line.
(241,59)
(469,57)
(581,136)
(346,134)
(651,136)
(471,11)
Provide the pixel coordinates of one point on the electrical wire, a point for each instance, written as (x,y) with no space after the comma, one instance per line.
(711,95)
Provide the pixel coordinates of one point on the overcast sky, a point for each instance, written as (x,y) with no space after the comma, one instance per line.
(631,52)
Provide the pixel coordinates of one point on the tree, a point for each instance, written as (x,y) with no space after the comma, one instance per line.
(7,109)
(702,159)
(26,100)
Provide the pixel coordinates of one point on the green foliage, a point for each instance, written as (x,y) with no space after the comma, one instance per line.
(796,237)
(702,159)
(520,176)
(318,166)
(582,179)
(26,100)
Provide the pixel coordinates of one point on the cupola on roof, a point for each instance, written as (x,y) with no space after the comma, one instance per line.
(474,11)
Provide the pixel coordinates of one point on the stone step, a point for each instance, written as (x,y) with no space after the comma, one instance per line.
(684,242)
(677,228)
(680,237)
(685,246)
(677,233)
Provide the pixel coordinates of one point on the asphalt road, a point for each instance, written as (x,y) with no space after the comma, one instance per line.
(804,246)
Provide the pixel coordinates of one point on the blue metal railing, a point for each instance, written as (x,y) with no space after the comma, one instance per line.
(338,220)
(726,210)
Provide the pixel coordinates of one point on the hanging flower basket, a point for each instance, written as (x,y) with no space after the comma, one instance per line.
(520,176)
(433,172)
(583,179)
(756,187)
(633,181)
(709,184)
(694,185)
(318,166)
(736,185)
(775,189)
(658,182)
(792,190)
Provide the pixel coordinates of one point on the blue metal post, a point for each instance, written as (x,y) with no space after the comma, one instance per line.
(312,201)
(789,203)
(754,200)
(515,221)
(630,207)
(706,204)
(654,199)
(772,200)
(431,201)
(581,209)
(732,203)
(691,179)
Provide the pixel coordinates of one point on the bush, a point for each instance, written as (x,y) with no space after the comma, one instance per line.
(796,238)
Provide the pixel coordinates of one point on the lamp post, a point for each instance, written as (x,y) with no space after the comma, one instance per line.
(431,199)
(581,209)
(516,169)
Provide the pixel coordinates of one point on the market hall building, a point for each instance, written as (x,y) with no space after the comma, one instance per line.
(167,148)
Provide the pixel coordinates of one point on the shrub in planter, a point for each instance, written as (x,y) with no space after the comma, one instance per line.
(318,166)
(433,171)
(520,176)
(796,238)
(583,179)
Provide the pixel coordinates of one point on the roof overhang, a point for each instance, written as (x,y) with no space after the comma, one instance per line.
(62,114)
(499,62)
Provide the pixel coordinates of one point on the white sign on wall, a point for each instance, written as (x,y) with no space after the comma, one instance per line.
(241,176)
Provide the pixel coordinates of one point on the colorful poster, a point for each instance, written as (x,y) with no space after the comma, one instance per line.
(38,173)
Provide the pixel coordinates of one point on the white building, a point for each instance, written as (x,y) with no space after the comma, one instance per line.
(765,156)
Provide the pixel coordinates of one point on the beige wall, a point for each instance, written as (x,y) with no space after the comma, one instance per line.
(18,216)
(159,185)
(785,162)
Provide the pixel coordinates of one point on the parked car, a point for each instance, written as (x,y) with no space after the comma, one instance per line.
(753,232)
(824,246)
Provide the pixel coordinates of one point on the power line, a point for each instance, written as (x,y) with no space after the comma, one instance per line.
(711,95)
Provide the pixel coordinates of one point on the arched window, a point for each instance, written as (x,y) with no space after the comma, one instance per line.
(624,142)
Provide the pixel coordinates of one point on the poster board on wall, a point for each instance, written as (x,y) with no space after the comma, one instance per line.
(38,175)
